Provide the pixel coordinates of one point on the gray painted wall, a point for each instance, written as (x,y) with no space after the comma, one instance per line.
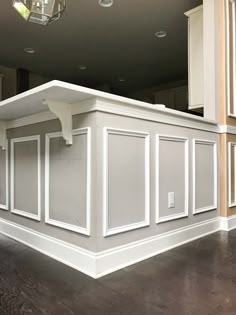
(26,176)
(172,176)
(68,180)
(81,121)
(204,175)
(126,179)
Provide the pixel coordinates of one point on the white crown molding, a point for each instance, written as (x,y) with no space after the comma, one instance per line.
(30,120)
(227,129)
(156,113)
(37,216)
(194,10)
(146,222)
(78,229)
(184,213)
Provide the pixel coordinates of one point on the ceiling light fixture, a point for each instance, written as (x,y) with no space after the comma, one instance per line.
(121,79)
(29,50)
(82,67)
(161,34)
(105,3)
(40,11)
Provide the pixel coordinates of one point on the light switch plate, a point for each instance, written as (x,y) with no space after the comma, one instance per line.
(171,200)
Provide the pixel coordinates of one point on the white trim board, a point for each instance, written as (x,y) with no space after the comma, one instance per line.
(102,263)
(214,145)
(227,128)
(6,206)
(146,221)
(26,214)
(231,69)
(186,177)
(63,225)
(230,146)
(228,223)
(80,98)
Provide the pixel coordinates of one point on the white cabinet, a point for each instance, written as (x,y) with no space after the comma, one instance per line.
(195,57)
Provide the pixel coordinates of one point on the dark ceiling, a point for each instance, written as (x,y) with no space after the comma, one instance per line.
(112,42)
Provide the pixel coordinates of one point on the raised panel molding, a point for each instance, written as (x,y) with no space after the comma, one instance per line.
(230,145)
(125,228)
(20,212)
(186,177)
(6,206)
(214,147)
(64,225)
(231,63)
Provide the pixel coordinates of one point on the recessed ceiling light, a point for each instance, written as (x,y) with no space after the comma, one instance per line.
(82,67)
(161,34)
(121,79)
(29,50)
(105,3)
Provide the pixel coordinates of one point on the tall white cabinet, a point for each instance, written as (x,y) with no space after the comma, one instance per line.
(195,55)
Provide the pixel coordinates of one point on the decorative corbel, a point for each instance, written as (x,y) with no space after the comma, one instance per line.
(64,114)
(3,134)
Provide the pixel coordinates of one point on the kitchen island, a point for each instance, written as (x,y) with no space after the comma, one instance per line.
(99,182)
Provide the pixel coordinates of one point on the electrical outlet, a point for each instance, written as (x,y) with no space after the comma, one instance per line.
(171,200)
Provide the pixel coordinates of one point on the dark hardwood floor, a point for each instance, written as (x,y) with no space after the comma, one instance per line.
(196,279)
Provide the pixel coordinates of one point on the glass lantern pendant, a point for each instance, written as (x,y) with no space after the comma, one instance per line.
(40,11)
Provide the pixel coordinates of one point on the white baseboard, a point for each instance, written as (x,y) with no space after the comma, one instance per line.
(123,256)
(73,256)
(228,223)
(99,264)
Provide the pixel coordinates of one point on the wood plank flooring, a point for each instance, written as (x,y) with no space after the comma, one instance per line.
(196,279)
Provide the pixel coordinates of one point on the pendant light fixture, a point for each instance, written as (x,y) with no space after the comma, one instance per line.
(40,11)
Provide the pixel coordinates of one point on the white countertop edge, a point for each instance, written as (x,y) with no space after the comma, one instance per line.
(155,108)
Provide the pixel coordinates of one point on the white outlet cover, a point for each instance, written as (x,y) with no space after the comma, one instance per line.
(171,200)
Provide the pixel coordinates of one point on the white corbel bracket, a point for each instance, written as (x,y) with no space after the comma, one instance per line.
(3,134)
(64,114)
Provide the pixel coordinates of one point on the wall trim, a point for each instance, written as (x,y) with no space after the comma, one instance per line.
(230,203)
(146,222)
(230,88)
(78,229)
(228,223)
(227,128)
(6,206)
(214,145)
(20,212)
(102,263)
(30,120)
(73,256)
(185,213)
(147,112)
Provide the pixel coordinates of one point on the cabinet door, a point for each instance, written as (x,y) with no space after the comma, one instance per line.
(195,51)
